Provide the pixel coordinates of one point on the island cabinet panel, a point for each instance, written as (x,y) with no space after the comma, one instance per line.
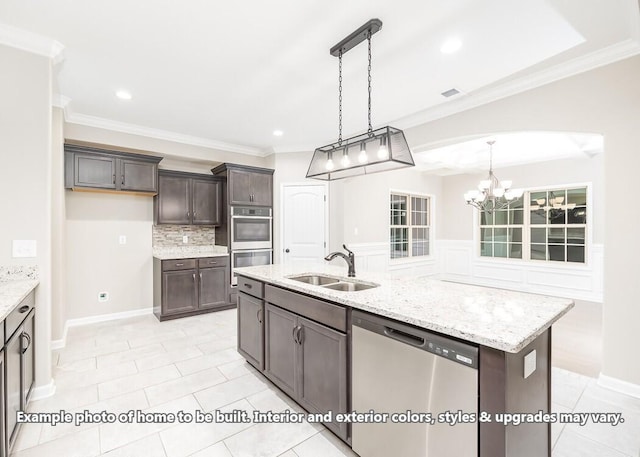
(504,389)
(13,383)
(308,361)
(280,350)
(3,442)
(251,329)
(322,371)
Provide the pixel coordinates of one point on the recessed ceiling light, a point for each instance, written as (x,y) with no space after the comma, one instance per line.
(278,133)
(450,46)
(123,95)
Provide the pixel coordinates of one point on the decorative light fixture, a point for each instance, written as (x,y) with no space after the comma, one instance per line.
(377,150)
(492,194)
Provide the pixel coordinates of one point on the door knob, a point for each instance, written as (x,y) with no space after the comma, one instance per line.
(287,250)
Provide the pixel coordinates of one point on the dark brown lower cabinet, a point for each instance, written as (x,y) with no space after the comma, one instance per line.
(308,361)
(251,329)
(184,287)
(13,375)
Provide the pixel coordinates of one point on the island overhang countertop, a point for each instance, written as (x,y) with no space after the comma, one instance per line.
(497,318)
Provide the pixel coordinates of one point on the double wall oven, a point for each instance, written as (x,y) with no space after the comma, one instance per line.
(251,237)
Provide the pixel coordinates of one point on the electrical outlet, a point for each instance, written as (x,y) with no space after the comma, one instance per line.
(355,231)
(185,239)
(529,363)
(24,248)
(103,296)
(122,239)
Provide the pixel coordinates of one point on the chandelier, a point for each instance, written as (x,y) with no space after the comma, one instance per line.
(492,194)
(377,150)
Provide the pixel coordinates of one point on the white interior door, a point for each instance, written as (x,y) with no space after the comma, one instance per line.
(304,223)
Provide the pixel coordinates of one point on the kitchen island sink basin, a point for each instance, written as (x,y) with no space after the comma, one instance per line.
(350,286)
(329,282)
(316,280)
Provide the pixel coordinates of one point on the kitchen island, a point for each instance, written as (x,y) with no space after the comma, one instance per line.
(504,326)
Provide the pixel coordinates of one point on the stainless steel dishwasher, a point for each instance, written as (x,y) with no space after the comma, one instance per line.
(397,368)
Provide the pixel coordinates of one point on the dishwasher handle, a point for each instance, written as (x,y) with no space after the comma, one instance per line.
(404,337)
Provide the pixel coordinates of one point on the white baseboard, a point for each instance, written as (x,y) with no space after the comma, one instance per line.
(624,387)
(59,344)
(45,391)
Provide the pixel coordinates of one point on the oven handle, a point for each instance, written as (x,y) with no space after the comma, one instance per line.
(266,218)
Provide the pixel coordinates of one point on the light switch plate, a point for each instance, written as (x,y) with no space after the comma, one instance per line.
(185,239)
(24,248)
(529,364)
(122,239)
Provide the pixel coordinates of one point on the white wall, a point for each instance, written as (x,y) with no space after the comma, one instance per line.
(605,100)
(25,181)
(58,228)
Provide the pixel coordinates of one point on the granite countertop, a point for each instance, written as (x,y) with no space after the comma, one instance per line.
(12,292)
(497,318)
(189,252)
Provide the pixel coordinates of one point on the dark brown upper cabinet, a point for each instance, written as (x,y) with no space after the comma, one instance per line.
(188,199)
(91,168)
(247,186)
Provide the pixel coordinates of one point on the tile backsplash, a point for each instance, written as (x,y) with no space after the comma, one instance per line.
(18,272)
(171,235)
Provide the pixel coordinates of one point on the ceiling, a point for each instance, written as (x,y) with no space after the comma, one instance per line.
(228,74)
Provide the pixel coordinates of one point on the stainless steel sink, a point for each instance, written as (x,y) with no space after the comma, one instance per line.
(316,280)
(350,286)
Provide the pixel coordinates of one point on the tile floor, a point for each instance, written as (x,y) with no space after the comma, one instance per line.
(191,365)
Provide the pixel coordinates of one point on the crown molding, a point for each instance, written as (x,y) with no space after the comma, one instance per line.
(60,101)
(133,129)
(619,51)
(31,42)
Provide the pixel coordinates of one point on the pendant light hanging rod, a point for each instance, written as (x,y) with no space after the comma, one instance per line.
(369,79)
(356,37)
(340,99)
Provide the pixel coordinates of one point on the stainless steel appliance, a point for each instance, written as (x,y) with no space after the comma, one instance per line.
(251,228)
(249,258)
(398,368)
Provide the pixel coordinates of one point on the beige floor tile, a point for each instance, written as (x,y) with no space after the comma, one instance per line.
(202,435)
(229,391)
(217,450)
(571,444)
(567,387)
(268,440)
(28,436)
(208,360)
(557,427)
(76,353)
(158,338)
(128,355)
(113,436)
(84,443)
(67,400)
(137,381)
(151,446)
(185,385)
(167,358)
(76,366)
(323,445)
(66,382)
(217,345)
(236,369)
(289,453)
(189,341)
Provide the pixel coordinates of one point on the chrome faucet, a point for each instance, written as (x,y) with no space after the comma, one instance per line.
(350,259)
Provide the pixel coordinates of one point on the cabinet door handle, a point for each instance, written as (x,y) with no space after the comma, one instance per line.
(188,213)
(293,334)
(28,337)
(179,264)
(194,276)
(247,286)
(258,316)
(23,309)
(200,277)
(211,262)
(114,179)
(123,180)
(299,335)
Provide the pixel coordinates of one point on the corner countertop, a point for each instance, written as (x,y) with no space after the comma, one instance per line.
(497,318)
(189,252)
(12,292)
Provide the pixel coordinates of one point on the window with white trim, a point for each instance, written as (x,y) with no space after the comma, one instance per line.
(409,226)
(548,225)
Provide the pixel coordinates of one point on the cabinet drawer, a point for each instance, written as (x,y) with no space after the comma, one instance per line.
(15,318)
(251,287)
(180,264)
(212,262)
(334,316)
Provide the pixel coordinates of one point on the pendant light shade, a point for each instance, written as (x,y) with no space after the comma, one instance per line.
(377,150)
(384,149)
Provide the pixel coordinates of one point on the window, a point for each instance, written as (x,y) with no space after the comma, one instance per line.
(409,225)
(548,225)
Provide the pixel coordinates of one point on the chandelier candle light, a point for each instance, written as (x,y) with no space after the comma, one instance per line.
(492,194)
(377,150)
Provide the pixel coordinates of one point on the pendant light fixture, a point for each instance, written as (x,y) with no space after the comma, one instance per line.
(377,150)
(492,194)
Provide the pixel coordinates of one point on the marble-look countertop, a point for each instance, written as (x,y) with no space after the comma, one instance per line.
(12,292)
(497,318)
(189,252)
